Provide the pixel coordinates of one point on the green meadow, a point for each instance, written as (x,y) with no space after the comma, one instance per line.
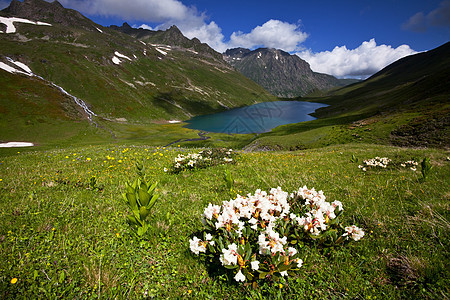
(64,234)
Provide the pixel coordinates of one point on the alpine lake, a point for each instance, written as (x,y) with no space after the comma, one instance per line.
(256,118)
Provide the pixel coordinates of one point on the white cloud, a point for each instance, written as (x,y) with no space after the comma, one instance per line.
(421,22)
(360,62)
(272,34)
(145,26)
(144,10)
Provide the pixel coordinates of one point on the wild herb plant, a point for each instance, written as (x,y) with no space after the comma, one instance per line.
(140,197)
(354,159)
(229,181)
(426,168)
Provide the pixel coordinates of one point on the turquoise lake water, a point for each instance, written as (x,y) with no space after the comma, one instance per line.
(257,118)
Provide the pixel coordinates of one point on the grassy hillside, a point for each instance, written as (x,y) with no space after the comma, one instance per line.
(405,104)
(62,238)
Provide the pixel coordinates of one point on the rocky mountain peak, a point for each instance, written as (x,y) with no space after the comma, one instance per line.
(281,73)
(172,36)
(51,12)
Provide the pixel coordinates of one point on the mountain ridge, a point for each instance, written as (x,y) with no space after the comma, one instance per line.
(281,73)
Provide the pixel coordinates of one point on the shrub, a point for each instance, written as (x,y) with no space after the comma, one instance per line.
(258,236)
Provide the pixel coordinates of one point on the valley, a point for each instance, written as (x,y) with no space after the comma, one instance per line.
(103,186)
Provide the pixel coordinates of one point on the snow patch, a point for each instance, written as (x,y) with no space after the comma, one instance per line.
(116,60)
(143,43)
(20,65)
(161,51)
(99,29)
(16,144)
(122,56)
(174,121)
(8,68)
(9,22)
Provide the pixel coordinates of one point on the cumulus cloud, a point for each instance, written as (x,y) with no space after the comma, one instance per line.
(360,62)
(272,34)
(421,22)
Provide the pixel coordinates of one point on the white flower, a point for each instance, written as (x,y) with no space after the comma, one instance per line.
(211,210)
(229,256)
(337,204)
(355,233)
(208,236)
(292,251)
(239,276)
(165,170)
(197,245)
(299,262)
(284,273)
(255,265)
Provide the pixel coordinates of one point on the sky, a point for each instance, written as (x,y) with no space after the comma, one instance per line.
(345,38)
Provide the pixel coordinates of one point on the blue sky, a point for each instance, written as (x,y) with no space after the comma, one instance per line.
(345,38)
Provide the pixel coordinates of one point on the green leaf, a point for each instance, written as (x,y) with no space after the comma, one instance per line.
(152,188)
(131,197)
(143,186)
(130,189)
(231,267)
(62,276)
(143,212)
(152,201)
(132,220)
(144,197)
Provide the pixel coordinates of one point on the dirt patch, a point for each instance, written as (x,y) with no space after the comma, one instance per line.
(424,131)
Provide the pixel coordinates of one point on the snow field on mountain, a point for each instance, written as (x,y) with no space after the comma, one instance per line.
(9,22)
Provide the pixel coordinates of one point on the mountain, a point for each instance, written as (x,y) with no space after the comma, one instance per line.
(172,37)
(281,73)
(405,104)
(56,55)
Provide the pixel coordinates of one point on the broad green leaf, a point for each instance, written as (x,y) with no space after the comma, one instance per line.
(132,220)
(152,201)
(132,201)
(143,212)
(144,197)
(152,187)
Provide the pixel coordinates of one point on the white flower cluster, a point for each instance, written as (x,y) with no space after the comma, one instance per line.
(381,162)
(201,159)
(259,216)
(261,210)
(192,159)
(354,232)
(197,245)
(410,164)
(321,211)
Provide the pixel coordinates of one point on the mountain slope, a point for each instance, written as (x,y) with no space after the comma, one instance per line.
(279,72)
(120,78)
(405,104)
